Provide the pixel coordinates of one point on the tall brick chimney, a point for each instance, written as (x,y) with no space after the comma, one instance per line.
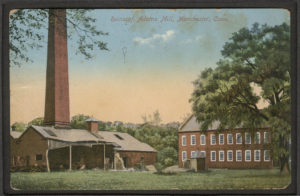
(57,111)
(92,124)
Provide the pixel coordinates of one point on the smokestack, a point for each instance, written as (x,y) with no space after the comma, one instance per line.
(92,125)
(57,111)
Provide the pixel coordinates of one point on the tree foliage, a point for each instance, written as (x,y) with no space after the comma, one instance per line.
(27,30)
(37,121)
(153,119)
(19,126)
(255,59)
(78,121)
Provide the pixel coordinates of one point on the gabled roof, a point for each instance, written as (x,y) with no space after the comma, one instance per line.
(15,134)
(66,135)
(125,141)
(191,124)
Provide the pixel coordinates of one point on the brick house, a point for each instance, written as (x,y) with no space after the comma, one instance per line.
(52,148)
(131,150)
(58,148)
(236,148)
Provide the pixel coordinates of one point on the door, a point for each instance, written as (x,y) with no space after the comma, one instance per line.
(125,161)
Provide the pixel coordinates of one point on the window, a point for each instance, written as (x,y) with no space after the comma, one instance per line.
(212,155)
(239,138)
(193,154)
(257,138)
(193,140)
(221,139)
(267,155)
(202,154)
(212,139)
(256,155)
(221,155)
(183,140)
(229,155)
(238,155)
(38,157)
(266,137)
(229,139)
(247,138)
(183,155)
(248,155)
(119,137)
(202,140)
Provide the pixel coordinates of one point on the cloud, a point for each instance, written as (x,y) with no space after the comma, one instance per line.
(187,41)
(199,37)
(156,37)
(193,40)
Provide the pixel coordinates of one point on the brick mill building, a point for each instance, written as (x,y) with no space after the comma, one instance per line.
(55,145)
(229,148)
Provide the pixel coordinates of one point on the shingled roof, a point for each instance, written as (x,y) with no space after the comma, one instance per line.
(125,141)
(66,135)
(191,124)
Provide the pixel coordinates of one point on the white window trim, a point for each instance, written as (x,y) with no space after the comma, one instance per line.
(182,155)
(192,140)
(211,152)
(257,134)
(236,155)
(265,138)
(220,156)
(204,152)
(237,138)
(211,139)
(228,156)
(265,156)
(182,140)
(231,138)
(220,140)
(201,140)
(246,137)
(192,153)
(246,155)
(255,156)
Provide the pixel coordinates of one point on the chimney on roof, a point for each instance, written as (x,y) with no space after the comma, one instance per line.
(57,111)
(92,124)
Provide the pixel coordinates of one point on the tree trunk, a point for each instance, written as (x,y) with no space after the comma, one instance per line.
(284,165)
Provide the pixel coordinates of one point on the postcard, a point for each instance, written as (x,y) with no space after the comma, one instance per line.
(150,99)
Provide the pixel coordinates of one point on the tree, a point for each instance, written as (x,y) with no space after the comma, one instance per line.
(27,31)
(18,126)
(78,121)
(37,121)
(153,119)
(256,59)
(167,156)
(156,118)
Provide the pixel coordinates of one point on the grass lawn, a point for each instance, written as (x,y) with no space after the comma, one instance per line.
(113,180)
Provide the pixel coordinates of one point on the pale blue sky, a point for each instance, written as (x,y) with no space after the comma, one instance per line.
(161,52)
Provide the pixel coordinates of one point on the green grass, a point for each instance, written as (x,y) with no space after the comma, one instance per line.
(113,180)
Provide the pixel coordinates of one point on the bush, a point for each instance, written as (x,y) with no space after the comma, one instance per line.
(159,167)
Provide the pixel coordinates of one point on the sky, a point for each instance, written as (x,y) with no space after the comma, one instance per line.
(150,64)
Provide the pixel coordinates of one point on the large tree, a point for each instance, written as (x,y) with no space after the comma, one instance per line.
(28,29)
(255,67)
